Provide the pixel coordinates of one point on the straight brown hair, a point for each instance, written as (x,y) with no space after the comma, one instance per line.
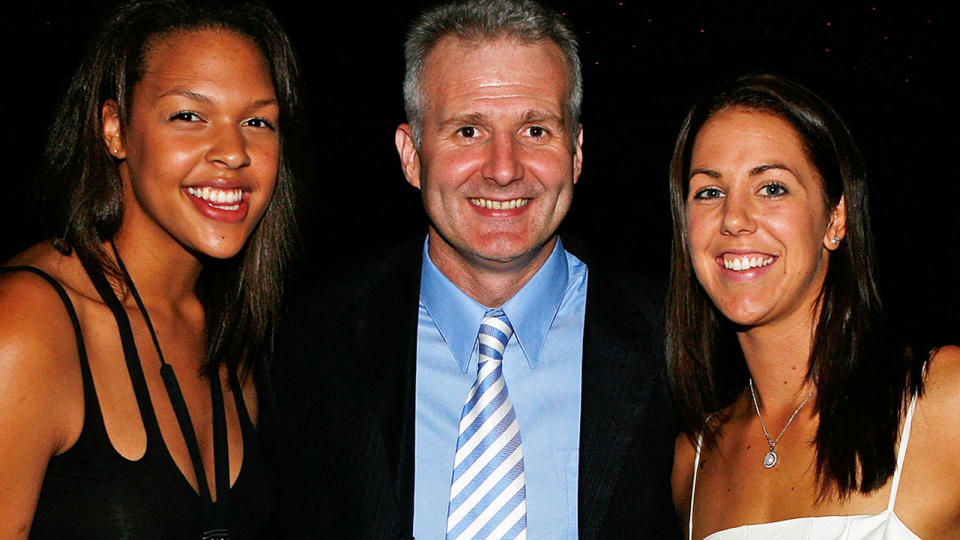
(82,193)
(863,377)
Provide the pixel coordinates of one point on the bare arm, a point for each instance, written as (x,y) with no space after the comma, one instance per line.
(41,396)
(928,499)
(938,413)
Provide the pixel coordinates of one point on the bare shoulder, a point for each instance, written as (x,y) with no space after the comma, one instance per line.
(941,397)
(681,480)
(929,471)
(31,308)
(38,351)
(41,393)
(28,288)
(39,372)
(33,314)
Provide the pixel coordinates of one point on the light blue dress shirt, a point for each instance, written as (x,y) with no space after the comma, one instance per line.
(542,369)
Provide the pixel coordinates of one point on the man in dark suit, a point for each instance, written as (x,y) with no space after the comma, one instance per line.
(482,382)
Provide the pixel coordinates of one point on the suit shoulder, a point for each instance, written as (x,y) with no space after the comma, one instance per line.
(350,283)
(641,288)
(615,275)
(625,291)
(336,309)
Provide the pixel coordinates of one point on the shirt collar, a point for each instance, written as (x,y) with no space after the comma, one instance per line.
(531,311)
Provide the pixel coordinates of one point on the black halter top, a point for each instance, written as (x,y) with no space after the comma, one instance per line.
(92,492)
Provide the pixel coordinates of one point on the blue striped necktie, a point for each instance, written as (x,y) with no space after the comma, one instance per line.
(488,495)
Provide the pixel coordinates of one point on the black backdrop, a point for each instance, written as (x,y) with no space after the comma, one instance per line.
(885,68)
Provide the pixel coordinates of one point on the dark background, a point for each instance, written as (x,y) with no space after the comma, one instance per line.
(887,69)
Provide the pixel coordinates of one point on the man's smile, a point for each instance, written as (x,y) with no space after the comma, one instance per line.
(499,205)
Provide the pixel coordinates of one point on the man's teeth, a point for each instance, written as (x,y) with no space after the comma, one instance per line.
(225,199)
(499,205)
(746,262)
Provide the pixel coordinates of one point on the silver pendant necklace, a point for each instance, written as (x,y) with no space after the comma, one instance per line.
(771,458)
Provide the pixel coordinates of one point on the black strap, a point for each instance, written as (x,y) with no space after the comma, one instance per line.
(89,395)
(65,298)
(220,448)
(132,358)
(215,513)
(244,416)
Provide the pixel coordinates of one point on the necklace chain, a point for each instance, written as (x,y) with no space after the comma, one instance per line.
(771,458)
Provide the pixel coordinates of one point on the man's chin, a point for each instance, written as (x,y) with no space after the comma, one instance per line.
(495,252)
(510,256)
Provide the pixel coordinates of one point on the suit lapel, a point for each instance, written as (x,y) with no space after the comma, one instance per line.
(619,373)
(388,341)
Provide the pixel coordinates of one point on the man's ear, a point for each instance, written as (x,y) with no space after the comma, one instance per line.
(112,129)
(838,226)
(409,156)
(578,154)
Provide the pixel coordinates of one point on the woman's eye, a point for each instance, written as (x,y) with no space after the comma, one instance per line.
(260,123)
(708,193)
(186,116)
(773,190)
(468,132)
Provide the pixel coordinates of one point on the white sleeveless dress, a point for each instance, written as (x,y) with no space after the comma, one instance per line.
(883,526)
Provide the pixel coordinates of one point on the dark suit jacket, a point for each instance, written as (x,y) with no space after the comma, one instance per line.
(344,389)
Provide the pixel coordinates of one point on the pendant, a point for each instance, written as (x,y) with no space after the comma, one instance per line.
(770,459)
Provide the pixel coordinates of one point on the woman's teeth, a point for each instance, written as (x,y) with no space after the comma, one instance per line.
(222,199)
(746,262)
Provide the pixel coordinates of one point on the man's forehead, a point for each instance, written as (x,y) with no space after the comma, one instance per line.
(457,65)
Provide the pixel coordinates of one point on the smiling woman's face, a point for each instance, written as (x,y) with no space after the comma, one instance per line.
(201,147)
(759,228)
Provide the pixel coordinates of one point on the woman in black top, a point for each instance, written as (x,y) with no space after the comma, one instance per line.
(129,344)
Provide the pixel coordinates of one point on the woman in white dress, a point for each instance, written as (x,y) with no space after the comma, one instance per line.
(803,417)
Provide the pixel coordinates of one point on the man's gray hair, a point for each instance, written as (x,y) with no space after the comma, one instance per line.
(481,20)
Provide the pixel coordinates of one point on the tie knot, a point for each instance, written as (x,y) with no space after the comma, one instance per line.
(495,332)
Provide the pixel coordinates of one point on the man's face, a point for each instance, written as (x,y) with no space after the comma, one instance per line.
(497,160)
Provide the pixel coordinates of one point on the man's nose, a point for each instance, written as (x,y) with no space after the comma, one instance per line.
(502,163)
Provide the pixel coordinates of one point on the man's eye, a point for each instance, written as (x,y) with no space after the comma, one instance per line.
(708,193)
(468,132)
(537,131)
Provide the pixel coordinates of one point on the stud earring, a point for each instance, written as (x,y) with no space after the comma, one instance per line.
(116,150)
(835,240)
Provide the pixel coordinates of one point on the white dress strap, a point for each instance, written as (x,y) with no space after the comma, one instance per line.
(693,488)
(902,451)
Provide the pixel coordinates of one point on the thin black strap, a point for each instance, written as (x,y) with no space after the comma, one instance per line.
(215,514)
(130,354)
(91,404)
(173,392)
(186,428)
(67,303)
(241,405)
(220,448)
